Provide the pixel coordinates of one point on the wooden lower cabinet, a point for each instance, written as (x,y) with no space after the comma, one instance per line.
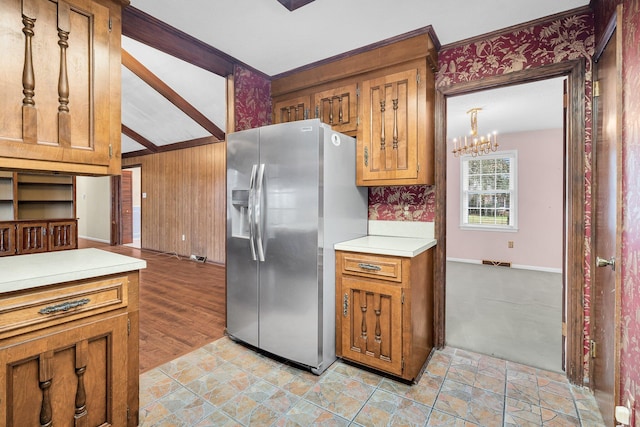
(74,377)
(384,311)
(69,354)
(7,238)
(30,237)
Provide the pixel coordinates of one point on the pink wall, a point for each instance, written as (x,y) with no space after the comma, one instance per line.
(630,271)
(538,241)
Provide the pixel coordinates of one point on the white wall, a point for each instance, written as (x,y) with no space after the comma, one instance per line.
(93,208)
(538,241)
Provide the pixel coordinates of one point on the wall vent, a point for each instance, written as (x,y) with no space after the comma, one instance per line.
(496,263)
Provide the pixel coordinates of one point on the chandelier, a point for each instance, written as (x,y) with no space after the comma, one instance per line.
(474,144)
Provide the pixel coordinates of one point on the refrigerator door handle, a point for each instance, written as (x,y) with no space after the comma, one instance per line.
(251,209)
(258,212)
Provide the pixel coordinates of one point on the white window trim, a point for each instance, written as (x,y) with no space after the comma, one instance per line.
(514,195)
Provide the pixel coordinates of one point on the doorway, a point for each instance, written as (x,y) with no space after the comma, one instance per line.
(505,224)
(131,206)
(574,179)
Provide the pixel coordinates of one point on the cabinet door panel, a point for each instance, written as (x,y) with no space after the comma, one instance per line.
(7,238)
(337,107)
(63,235)
(57,90)
(32,237)
(372,326)
(65,379)
(392,132)
(291,110)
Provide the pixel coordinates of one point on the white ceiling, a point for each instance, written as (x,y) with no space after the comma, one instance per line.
(270,38)
(266,36)
(519,108)
(148,113)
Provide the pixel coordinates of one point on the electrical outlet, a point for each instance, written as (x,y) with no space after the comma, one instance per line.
(510,244)
(183,237)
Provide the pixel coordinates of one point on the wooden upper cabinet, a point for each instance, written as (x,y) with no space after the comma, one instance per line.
(61,85)
(290,110)
(384,96)
(395,135)
(338,107)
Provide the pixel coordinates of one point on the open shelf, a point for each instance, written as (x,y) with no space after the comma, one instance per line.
(36,196)
(6,210)
(36,178)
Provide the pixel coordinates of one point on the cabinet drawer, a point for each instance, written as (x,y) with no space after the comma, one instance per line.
(365,265)
(24,312)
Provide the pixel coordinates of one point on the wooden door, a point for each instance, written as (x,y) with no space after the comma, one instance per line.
(337,107)
(372,326)
(75,377)
(127,207)
(607,249)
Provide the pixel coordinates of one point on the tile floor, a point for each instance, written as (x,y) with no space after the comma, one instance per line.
(226,384)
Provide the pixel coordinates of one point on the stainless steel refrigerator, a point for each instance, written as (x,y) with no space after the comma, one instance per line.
(291,195)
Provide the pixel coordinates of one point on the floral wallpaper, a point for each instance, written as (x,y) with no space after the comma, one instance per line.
(551,42)
(630,310)
(253,99)
(406,203)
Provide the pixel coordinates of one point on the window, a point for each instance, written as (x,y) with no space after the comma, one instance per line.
(489,191)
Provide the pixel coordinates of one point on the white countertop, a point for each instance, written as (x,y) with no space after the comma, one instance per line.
(387,245)
(28,271)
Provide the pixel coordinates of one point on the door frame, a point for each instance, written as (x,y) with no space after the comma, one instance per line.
(116,205)
(574,270)
(614,26)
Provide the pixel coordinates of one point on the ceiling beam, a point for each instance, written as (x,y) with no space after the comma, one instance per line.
(163,89)
(153,148)
(294,4)
(159,35)
(188,144)
(172,147)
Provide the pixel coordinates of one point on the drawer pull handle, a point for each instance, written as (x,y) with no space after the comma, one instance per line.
(65,306)
(369,267)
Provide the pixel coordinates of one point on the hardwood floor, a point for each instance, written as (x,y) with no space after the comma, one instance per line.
(182,304)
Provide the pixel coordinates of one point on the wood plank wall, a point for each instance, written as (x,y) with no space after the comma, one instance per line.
(185,195)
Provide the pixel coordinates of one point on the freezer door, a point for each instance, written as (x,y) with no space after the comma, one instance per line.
(241,268)
(289,206)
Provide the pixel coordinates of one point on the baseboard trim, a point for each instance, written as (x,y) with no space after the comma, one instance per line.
(94,239)
(518,266)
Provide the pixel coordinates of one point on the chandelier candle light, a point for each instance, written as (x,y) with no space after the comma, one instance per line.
(474,144)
